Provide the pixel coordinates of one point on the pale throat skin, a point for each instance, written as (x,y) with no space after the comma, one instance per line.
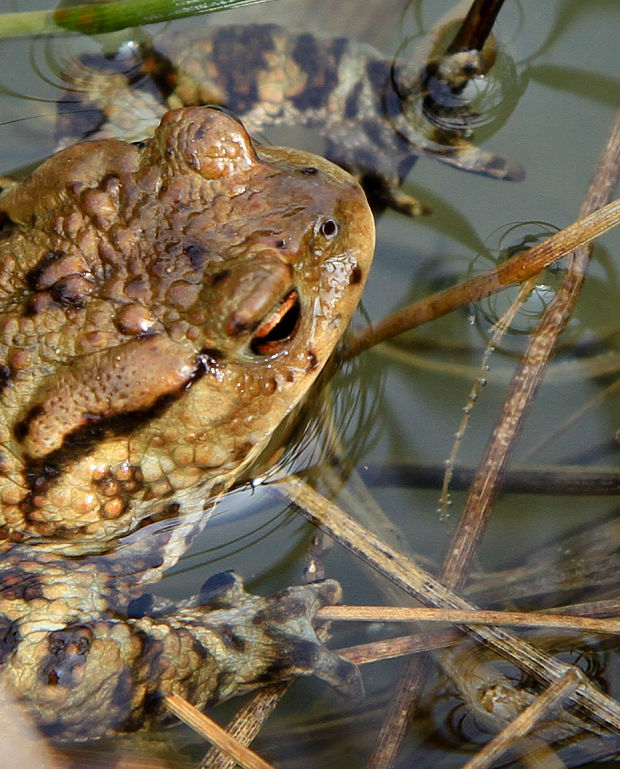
(163,307)
(134,280)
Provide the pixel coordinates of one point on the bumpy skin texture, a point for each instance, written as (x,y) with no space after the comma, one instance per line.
(163,308)
(136,284)
(361,102)
(87,664)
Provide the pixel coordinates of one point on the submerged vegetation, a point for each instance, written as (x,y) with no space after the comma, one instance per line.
(550,698)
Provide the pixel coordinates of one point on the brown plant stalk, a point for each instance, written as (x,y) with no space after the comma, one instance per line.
(524,385)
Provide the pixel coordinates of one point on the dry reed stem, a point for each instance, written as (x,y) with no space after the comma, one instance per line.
(509,273)
(417,582)
(246,724)
(512,271)
(476,26)
(525,721)
(390,648)
(497,333)
(524,385)
(213,732)
(462,617)
(525,382)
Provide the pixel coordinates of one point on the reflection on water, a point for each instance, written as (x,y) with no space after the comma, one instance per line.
(554,126)
(509,240)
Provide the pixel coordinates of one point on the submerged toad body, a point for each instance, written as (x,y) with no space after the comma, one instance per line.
(164,306)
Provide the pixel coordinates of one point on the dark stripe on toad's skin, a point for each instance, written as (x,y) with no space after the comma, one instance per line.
(219,277)
(200,650)
(320,63)
(279,667)
(351,105)
(19,585)
(378,73)
(9,638)
(278,613)
(161,75)
(39,474)
(80,441)
(229,638)
(21,428)
(373,131)
(304,654)
(240,55)
(66,296)
(32,277)
(5,376)
(171,510)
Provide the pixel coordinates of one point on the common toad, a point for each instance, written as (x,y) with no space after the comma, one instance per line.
(164,306)
(365,105)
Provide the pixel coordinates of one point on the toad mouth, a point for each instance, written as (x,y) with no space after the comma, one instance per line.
(278,327)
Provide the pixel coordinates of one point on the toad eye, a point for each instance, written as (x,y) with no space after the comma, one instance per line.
(329,228)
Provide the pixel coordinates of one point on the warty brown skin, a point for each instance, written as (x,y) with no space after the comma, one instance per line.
(134,281)
(163,308)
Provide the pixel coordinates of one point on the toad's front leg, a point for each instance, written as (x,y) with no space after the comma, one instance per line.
(111,675)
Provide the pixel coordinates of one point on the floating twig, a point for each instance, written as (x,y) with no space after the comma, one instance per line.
(400,646)
(405,573)
(509,273)
(527,378)
(465,617)
(476,26)
(213,732)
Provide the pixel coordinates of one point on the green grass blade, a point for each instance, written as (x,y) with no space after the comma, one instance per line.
(97,18)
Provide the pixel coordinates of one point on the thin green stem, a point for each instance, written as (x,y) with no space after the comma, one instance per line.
(94,19)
